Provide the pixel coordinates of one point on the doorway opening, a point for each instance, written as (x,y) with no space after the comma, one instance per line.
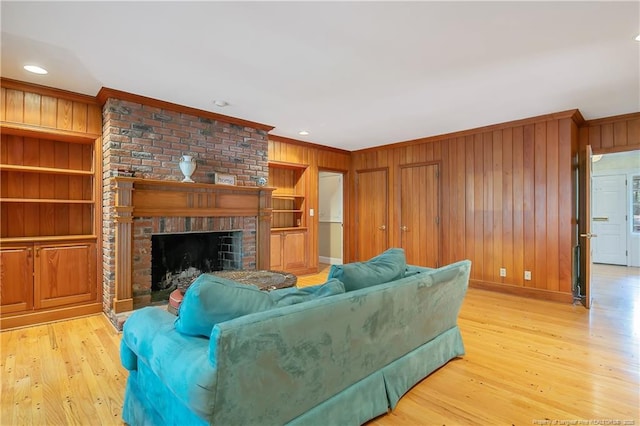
(615,208)
(330,217)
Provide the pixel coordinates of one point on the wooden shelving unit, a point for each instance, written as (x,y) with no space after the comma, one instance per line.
(50,197)
(289,233)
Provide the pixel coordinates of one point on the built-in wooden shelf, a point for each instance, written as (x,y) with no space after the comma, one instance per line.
(49,239)
(31,131)
(288,196)
(44,201)
(289,228)
(47,170)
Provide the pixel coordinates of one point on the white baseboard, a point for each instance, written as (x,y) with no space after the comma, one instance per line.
(330,260)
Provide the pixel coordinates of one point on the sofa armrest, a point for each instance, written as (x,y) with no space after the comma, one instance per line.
(178,361)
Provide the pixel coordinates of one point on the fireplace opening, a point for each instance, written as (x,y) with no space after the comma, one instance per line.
(177,259)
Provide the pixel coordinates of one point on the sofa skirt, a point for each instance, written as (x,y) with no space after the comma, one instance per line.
(376,394)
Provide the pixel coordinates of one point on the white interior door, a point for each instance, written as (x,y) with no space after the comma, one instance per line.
(609,214)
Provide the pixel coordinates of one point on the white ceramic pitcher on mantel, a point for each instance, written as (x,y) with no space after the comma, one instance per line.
(187,167)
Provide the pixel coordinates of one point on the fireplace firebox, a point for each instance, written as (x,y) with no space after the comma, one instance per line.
(178,258)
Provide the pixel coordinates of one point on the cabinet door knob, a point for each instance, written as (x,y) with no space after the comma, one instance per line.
(382,227)
(404,228)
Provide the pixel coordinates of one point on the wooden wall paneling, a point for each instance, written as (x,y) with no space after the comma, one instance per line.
(31,153)
(469,188)
(4,207)
(14,105)
(15,188)
(620,138)
(553,213)
(445,213)
(94,119)
(64,119)
(458,213)
(79,117)
(61,189)
(485,158)
(76,190)
(478,208)
(606,135)
(595,139)
(507,205)
(497,260)
(49,111)
(633,132)
(566,204)
(3,103)
(529,200)
(611,134)
(47,188)
(540,210)
(516,278)
(32,108)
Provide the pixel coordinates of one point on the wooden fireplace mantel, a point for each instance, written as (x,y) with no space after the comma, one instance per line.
(135,197)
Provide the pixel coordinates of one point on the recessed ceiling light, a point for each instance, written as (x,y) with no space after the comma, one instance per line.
(638,37)
(303,133)
(35,69)
(220,103)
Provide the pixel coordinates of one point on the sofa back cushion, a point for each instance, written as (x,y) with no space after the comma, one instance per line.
(387,266)
(293,295)
(211,300)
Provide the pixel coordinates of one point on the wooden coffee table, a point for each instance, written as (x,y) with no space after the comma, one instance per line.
(264,280)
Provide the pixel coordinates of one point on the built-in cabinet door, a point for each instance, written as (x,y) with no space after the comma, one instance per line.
(294,252)
(371,213)
(16,278)
(276,251)
(64,274)
(419,214)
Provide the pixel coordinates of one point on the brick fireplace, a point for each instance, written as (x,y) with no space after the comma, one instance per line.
(148,137)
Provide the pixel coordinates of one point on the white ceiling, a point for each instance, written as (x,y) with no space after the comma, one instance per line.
(354,74)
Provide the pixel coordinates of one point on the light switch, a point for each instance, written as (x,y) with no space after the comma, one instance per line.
(311,212)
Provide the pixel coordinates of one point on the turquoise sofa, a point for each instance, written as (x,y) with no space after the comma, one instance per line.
(338,360)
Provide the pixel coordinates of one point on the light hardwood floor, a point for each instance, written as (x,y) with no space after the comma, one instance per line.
(527,362)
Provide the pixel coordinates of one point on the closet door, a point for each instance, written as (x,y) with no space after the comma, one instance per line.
(419,214)
(371,213)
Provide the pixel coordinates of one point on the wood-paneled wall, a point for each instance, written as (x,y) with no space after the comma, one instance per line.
(612,134)
(506,200)
(318,158)
(45,107)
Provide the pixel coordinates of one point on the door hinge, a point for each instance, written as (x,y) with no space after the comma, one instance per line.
(437,220)
(437,174)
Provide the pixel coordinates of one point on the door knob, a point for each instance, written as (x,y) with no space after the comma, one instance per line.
(404,228)
(382,227)
(588,235)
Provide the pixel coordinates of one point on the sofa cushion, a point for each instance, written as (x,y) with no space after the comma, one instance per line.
(293,295)
(387,266)
(211,300)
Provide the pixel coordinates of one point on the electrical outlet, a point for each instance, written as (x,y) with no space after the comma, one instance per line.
(527,275)
(503,272)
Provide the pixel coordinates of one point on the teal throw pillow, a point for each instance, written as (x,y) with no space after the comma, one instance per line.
(387,266)
(293,295)
(210,300)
